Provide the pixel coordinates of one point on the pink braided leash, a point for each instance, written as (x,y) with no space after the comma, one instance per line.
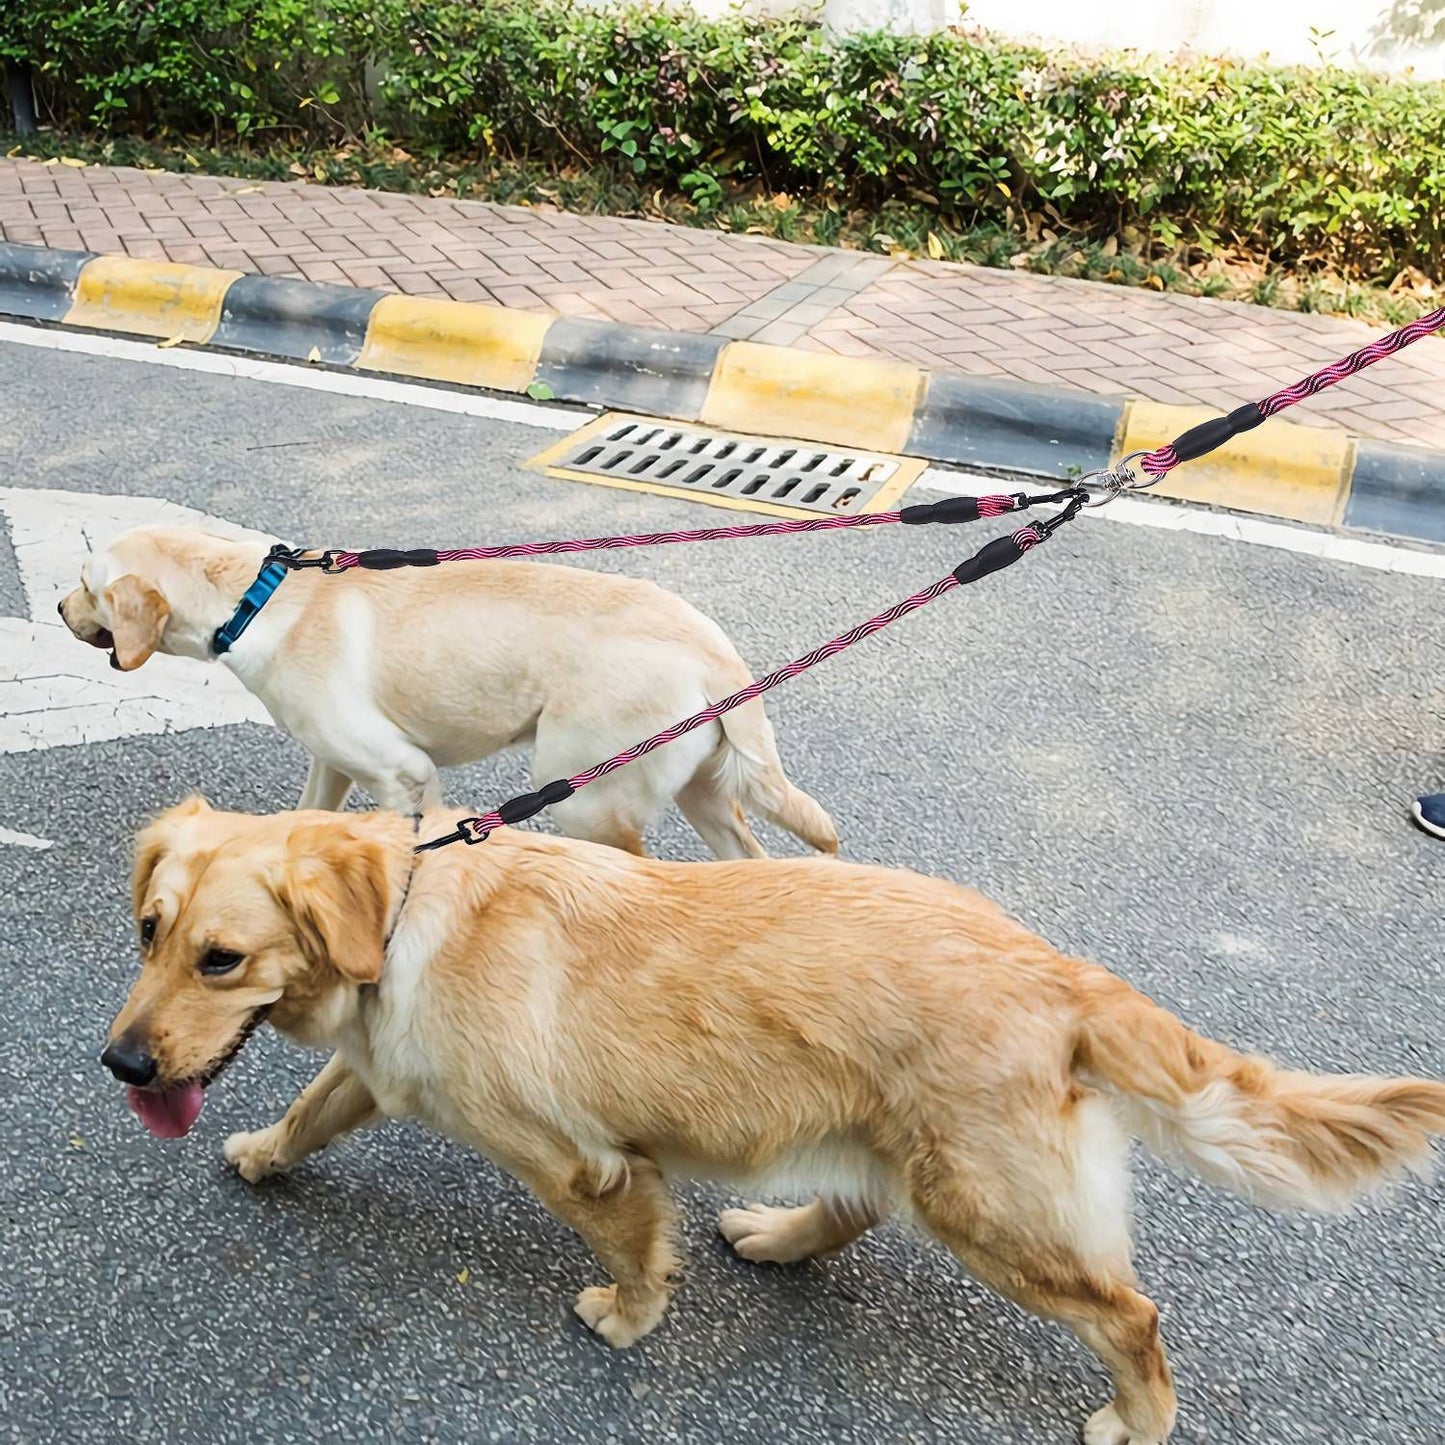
(480,827)
(990,506)
(992,557)
(999,553)
(1210,434)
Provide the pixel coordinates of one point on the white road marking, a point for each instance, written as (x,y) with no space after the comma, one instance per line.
(278,373)
(11,839)
(1169,516)
(56,691)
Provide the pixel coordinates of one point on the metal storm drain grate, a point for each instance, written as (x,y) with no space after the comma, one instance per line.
(752,473)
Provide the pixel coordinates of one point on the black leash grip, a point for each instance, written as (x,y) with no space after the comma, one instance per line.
(948,509)
(386,559)
(996,555)
(528,805)
(975,509)
(1200,440)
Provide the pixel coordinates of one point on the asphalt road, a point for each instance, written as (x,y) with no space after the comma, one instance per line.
(1184,757)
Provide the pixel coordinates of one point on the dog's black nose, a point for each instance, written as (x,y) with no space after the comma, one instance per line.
(60,607)
(129,1062)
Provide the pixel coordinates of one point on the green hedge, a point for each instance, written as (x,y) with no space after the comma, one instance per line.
(1323,164)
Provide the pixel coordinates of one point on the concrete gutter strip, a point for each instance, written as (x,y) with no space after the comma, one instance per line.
(295,318)
(38,283)
(1308,474)
(1051,433)
(629,368)
(1398,490)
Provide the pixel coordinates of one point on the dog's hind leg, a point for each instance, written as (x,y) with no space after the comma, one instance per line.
(1110,1316)
(1046,1226)
(333,1103)
(626,1216)
(716,817)
(785,1236)
(326,787)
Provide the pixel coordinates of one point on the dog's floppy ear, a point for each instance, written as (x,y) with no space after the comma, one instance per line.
(138,616)
(335,888)
(154,842)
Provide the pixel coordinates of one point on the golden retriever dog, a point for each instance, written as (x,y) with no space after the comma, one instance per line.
(599,1024)
(384,676)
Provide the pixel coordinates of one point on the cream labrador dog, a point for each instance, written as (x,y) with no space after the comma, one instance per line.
(599,1024)
(385,676)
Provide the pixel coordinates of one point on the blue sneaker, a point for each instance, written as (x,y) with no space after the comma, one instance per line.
(1429,813)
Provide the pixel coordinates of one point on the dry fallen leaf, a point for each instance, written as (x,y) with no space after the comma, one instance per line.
(73,161)
(76,1142)
(246,191)
(464,1276)
(171,341)
(935,247)
(1155,282)
(1019,261)
(1111,246)
(314,354)
(51,162)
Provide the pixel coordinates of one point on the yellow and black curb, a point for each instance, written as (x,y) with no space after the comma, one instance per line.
(1307,474)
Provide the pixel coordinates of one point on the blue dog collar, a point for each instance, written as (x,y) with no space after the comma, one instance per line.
(258,594)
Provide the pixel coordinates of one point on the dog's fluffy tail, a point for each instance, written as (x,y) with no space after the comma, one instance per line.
(1279,1138)
(753,774)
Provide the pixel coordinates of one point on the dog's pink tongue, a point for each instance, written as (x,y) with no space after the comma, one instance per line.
(168,1113)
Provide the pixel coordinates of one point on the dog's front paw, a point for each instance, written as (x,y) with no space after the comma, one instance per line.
(599,1310)
(1105,1427)
(253,1155)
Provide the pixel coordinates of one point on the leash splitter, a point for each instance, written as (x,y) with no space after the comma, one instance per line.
(1135,472)
(992,557)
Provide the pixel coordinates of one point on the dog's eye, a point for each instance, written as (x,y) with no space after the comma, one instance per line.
(147,932)
(219,960)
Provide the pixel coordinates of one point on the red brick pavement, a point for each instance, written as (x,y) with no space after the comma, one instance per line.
(1103,339)
(591,266)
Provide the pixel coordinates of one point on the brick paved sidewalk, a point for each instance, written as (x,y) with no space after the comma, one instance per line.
(1104,339)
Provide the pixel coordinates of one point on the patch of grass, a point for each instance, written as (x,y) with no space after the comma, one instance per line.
(909,228)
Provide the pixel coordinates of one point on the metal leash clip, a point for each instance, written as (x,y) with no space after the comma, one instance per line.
(1114,481)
